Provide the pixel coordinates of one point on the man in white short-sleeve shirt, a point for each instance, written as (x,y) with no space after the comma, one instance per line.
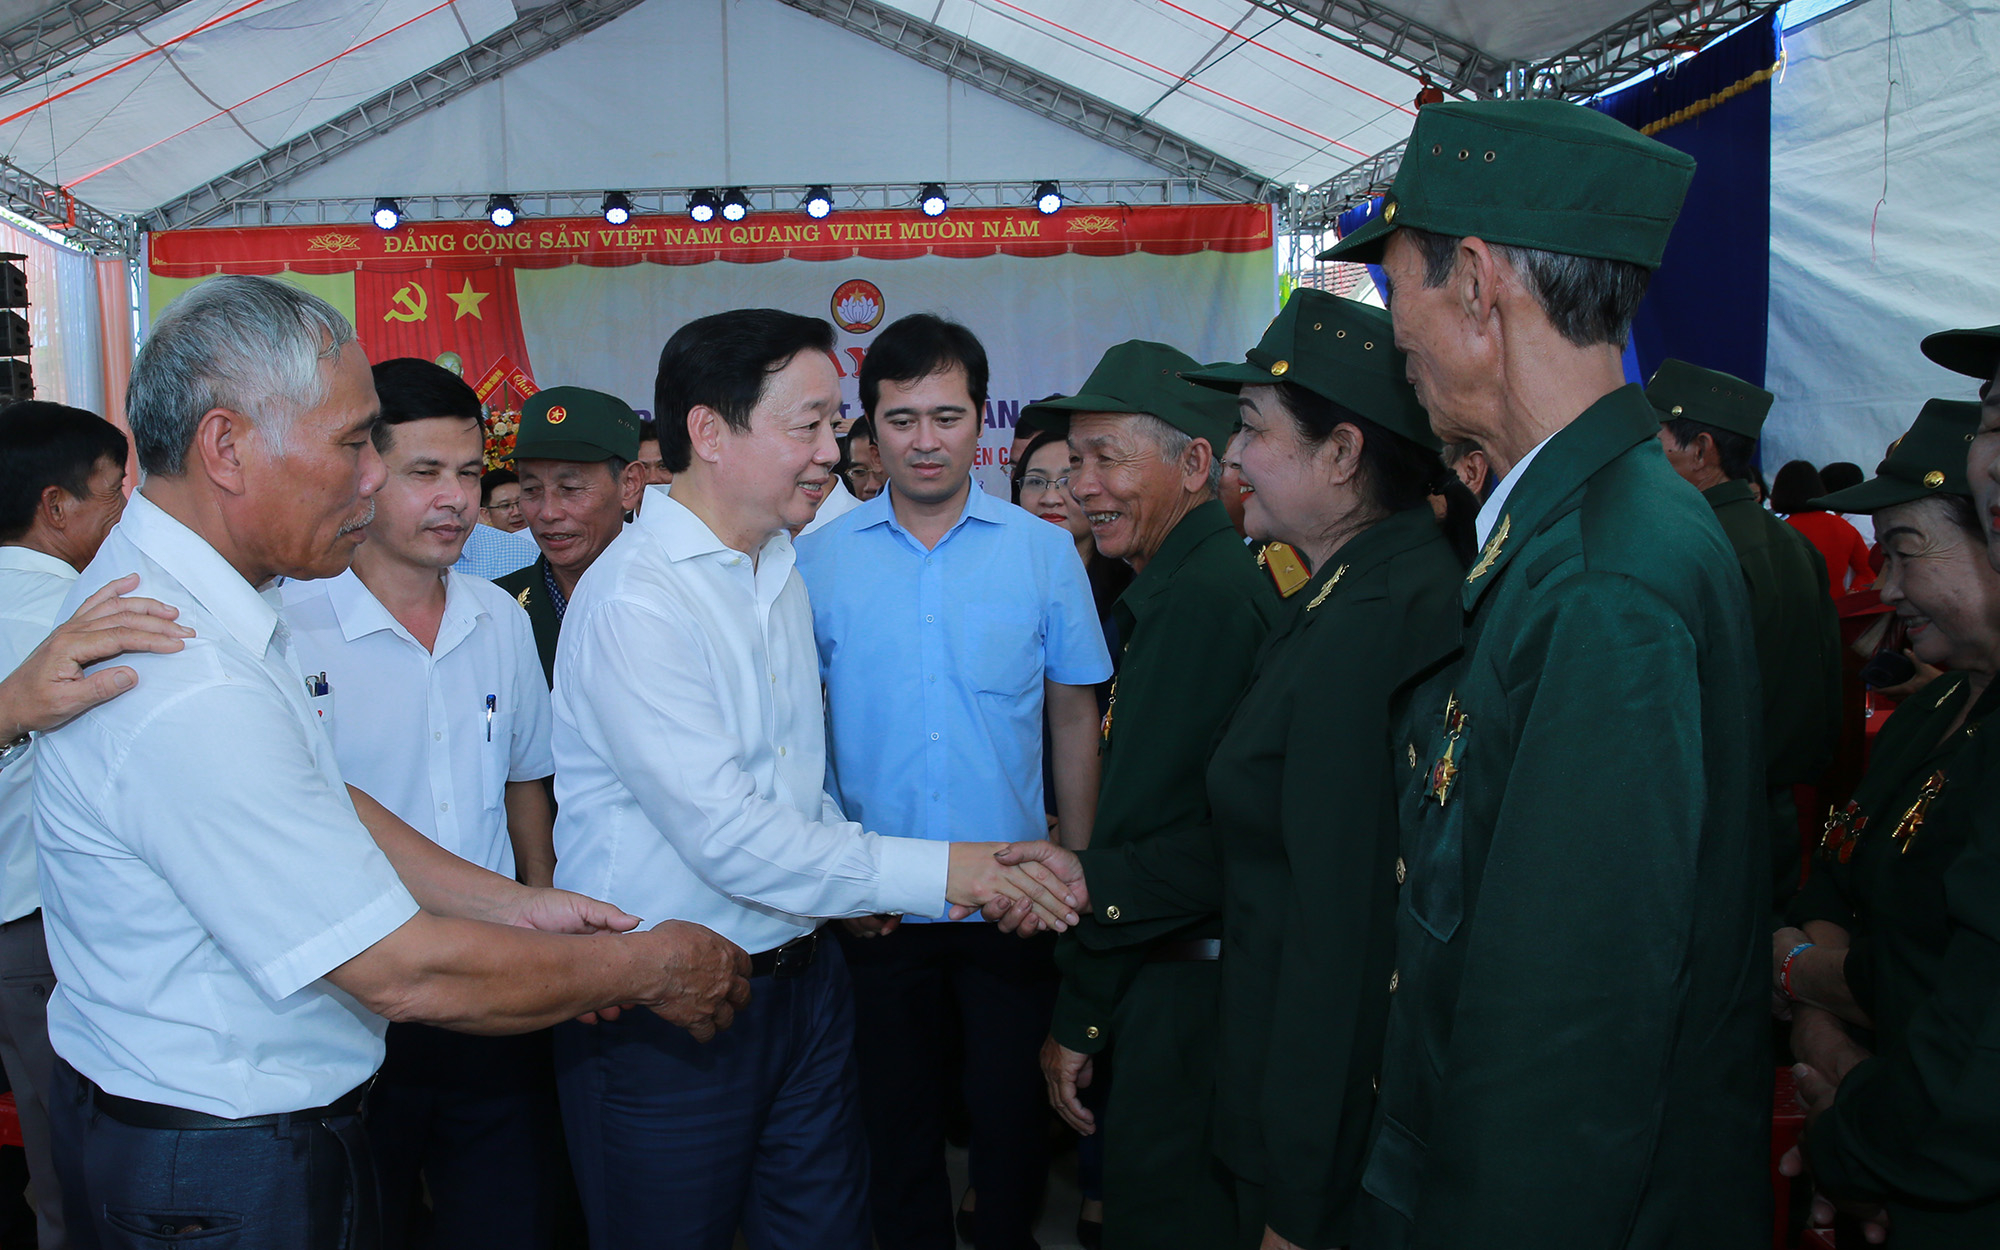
(227,934)
(62,493)
(437,708)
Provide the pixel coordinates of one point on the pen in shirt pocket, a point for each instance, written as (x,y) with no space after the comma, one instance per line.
(491,702)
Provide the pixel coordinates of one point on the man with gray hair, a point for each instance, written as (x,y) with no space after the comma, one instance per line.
(228,937)
(1145,466)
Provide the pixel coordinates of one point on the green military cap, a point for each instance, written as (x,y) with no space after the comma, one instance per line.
(571,423)
(1338,348)
(1928,460)
(1545,174)
(1681,390)
(1973,352)
(1138,376)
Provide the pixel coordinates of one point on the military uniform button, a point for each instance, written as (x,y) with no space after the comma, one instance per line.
(1280,368)
(1933,479)
(1375,1083)
(1395,979)
(1111,912)
(1091,1032)
(1401,871)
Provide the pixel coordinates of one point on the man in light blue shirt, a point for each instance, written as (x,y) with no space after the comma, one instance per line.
(947,622)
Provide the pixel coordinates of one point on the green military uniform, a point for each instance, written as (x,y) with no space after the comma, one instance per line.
(1792,616)
(1191,624)
(1911,868)
(1577,1051)
(530,588)
(565,423)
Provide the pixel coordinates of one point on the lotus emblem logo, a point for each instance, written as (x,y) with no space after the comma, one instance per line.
(858,306)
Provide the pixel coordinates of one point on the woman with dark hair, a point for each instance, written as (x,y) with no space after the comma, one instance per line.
(1795,495)
(1303,783)
(1865,945)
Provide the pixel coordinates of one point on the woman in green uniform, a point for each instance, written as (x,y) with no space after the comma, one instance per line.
(1869,929)
(1301,857)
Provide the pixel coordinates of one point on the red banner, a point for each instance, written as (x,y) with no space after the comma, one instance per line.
(427,311)
(1173,230)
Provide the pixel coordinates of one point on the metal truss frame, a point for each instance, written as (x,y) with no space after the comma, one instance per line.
(43,40)
(541,30)
(1019,84)
(48,205)
(1380,33)
(672,201)
(1653,36)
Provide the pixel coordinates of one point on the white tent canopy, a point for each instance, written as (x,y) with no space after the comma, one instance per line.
(129,104)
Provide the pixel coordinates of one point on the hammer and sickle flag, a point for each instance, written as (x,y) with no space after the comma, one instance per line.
(413,300)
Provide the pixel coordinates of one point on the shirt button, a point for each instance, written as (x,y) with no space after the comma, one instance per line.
(1111,912)
(774,679)
(931,678)
(929,619)
(438,737)
(1401,871)
(1091,1032)
(1395,979)
(781,750)
(444,807)
(934,737)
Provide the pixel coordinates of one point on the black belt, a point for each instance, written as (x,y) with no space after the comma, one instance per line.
(1185,951)
(790,960)
(140,1114)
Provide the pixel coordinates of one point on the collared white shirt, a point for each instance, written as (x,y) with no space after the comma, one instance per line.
(202,865)
(690,746)
(838,503)
(32,586)
(432,734)
(1496,503)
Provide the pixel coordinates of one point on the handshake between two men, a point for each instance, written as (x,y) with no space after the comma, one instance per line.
(697,980)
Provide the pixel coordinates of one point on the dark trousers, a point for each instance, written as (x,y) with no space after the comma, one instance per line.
(907,986)
(293,1185)
(475,1118)
(676,1143)
(26,981)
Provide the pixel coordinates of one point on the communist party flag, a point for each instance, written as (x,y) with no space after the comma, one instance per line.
(426,308)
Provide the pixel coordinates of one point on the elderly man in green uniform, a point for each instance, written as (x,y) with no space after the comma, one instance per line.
(1917,1126)
(1144,448)
(577,454)
(1709,425)
(1577,1052)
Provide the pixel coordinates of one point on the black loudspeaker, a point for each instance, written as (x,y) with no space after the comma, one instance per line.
(17,380)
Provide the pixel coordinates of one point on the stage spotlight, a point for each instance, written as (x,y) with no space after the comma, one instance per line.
(500,211)
(387,215)
(819,202)
(735,205)
(702,206)
(932,200)
(1048,198)
(617,208)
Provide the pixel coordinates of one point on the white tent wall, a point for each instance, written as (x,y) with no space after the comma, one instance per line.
(1852,291)
(714,92)
(65,328)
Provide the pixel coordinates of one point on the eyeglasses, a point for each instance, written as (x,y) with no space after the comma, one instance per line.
(1036,482)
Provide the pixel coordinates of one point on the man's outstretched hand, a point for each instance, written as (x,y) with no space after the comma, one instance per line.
(1062,864)
(50,686)
(1026,890)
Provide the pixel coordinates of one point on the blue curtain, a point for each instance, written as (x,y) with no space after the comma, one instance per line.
(1708,303)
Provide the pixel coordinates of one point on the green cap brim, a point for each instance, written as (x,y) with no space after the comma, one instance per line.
(558,449)
(1975,353)
(1229,377)
(1874,495)
(1366,245)
(1054,414)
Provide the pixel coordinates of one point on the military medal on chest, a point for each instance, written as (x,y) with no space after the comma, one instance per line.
(1905,832)
(1110,706)
(1444,773)
(1842,829)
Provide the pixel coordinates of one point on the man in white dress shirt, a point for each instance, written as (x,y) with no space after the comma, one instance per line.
(438,710)
(690,771)
(227,935)
(62,473)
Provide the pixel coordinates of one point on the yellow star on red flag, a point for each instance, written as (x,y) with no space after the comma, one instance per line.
(467,301)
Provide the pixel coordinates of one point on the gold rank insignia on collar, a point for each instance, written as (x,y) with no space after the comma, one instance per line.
(1327,589)
(1287,571)
(522,598)
(1491,551)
